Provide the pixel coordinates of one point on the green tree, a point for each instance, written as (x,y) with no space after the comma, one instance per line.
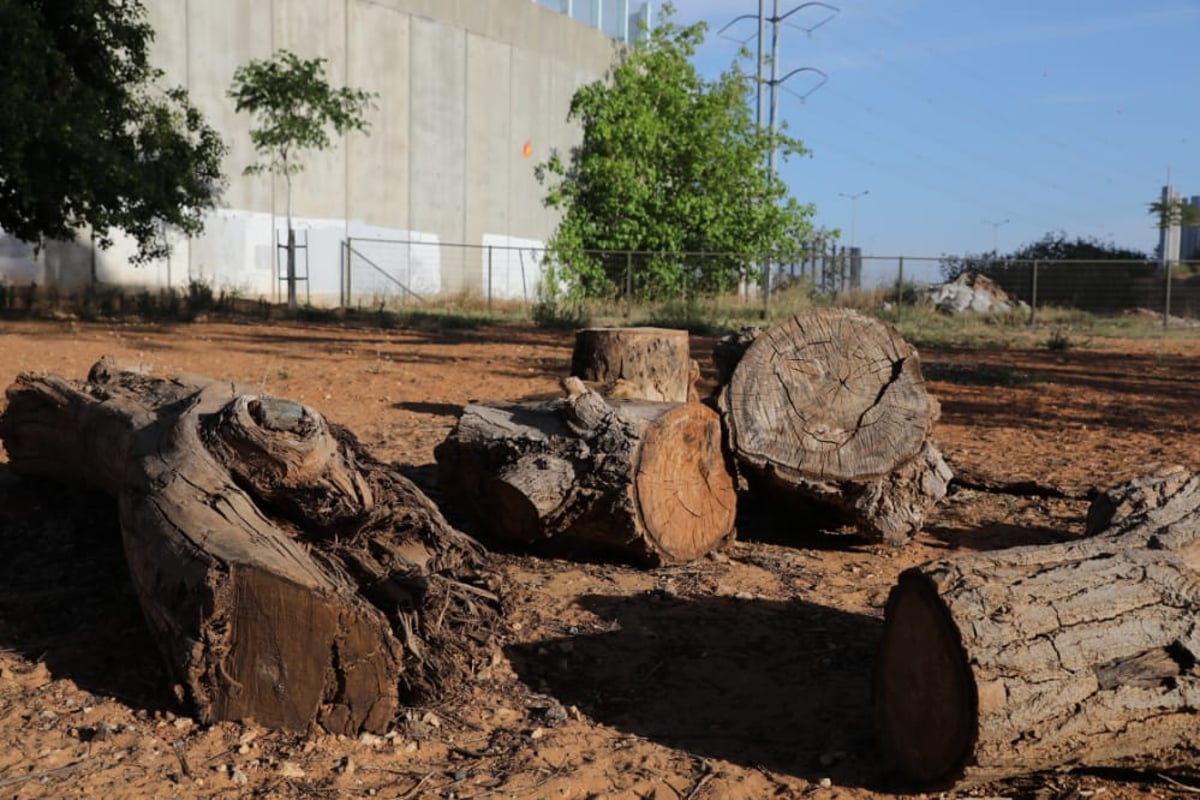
(671,164)
(87,140)
(294,108)
(1054,246)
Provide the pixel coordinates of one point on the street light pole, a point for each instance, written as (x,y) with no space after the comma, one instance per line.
(853,198)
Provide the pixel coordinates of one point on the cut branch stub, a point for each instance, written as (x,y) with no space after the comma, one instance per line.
(286,575)
(584,476)
(1081,654)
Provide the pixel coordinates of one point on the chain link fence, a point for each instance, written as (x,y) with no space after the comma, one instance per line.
(383,274)
(521,278)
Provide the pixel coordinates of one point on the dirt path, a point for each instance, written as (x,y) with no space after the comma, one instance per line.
(742,675)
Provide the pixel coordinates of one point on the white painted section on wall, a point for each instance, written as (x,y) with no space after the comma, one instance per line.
(240,252)
(516,269)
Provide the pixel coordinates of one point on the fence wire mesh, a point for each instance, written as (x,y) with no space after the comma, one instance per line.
(395,274)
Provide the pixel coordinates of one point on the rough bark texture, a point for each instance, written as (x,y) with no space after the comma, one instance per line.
(287,576)
(829,407)
(583,476)
(1050,657)
(636,363)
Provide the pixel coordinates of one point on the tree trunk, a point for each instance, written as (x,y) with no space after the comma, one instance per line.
(637,363)
(287,576)
(1045,657)
(580,476)
(829,408)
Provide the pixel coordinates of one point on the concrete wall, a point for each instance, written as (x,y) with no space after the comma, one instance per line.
(463,86)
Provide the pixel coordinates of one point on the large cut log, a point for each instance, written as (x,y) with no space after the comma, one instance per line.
(829,409)
(582,476)
(637,363)
(1081,654)
(287,576)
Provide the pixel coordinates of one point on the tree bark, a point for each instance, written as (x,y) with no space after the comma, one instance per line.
(287,576)
(636,363)
(1045,657)
(582,476)
(829,408)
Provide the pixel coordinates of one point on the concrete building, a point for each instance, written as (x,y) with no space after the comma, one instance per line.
(1189,236)
(439,197)
(1179,243)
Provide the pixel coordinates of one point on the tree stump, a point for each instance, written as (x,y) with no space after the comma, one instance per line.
(1045,657)
(828,408)
(287,576)
(637,363)
(582,476)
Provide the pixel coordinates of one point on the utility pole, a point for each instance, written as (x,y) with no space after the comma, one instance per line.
(774,82)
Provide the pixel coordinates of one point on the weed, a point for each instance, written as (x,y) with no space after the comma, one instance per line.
(1060,341)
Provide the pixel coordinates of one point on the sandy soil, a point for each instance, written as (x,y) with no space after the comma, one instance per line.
(742,675)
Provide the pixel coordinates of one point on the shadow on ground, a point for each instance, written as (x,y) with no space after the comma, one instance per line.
(778,685)
(65,594)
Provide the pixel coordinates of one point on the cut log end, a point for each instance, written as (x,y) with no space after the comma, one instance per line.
(685,490)
(830,395)
(638,480)
(924,694)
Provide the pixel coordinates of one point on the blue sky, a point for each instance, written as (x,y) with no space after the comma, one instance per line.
(956,116)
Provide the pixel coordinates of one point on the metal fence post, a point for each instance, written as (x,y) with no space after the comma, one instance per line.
(1033,301)
(345,286)
(1167,298)
(628,283)
(489,278)
(766,284)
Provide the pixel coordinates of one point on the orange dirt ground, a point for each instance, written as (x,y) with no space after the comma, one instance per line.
(744,675)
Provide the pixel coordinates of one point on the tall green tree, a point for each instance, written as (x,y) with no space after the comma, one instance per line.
(87,140)
(670,163)
(294,108)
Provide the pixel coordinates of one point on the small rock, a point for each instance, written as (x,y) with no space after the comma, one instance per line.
(243,749)
(825,783)
(370,739)
(344,766)
(238,777)
(431,719)
(537,733)
(289,770)
(182,723)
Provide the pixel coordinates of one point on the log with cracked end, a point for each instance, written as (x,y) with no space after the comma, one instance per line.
(829,409)
(1077,654)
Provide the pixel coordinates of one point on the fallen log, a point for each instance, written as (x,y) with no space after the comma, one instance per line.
(1079,654)
(636,363)
(287,576)
(828,409)
(582,476)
